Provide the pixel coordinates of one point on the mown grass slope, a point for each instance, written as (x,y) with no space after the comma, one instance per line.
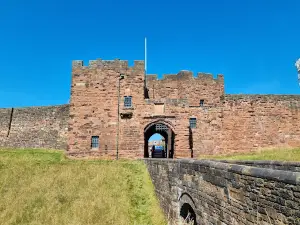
(266,154)
(43,187)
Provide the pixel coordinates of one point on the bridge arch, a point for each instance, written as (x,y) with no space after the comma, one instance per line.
(165,129)
(187,209)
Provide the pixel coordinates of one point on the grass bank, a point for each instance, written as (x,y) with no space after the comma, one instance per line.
(265,154)
(43,187)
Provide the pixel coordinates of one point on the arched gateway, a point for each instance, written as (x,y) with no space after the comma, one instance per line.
(164,129)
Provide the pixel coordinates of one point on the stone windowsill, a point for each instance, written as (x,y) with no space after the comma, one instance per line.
(127,108)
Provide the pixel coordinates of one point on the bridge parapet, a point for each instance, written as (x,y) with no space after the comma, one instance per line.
(277,165)
(225,193)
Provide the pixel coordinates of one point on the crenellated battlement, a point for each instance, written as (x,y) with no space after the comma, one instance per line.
(170,77)
(139,65)
(186,75)
(209,76)
(109,64)
(151,77)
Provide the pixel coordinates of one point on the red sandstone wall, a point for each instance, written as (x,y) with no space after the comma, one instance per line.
(226,123)
(176,117)
(204,86)
(188,90)
(247,122)
(185,86)
(208,134)
(260,121)
(34,127)
(243,123)
(94,108)
(165,88)
(240,124)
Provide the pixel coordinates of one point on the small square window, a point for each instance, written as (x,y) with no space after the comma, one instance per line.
(159,109)
(127,102)
(193,122)
(201,102)
(95,142)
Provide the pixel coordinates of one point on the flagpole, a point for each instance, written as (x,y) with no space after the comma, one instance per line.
(145,71)
(145,55)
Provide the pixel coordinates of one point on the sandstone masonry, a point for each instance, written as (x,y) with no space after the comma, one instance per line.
(115,108)
(223,123)
(34,127)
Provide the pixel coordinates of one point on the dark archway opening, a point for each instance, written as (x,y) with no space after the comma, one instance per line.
(166,132)
(188,214)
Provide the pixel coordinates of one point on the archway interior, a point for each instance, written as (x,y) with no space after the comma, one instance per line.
(158,142)
(167,134)
(188,214)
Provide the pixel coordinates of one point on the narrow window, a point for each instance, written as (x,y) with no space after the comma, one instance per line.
(193,123)
(95,142)
(201,102)
(127,102)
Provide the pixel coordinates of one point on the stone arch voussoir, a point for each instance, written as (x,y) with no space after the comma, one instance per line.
(186,198)
(163,121)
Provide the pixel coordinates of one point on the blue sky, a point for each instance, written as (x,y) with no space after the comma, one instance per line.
(254,43)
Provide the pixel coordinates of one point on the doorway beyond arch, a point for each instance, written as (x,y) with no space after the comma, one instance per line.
(165,130)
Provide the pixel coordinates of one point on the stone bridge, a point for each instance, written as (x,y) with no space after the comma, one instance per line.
(227,192)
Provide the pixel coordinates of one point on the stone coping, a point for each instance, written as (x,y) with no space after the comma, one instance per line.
(261,162)
(288,177)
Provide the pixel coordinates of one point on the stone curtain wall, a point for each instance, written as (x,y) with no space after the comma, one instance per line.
(243,123)
(260,121)
(34,127)
(223,193)
(5,115)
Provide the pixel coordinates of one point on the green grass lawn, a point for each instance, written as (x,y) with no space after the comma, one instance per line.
(267,154)
(43,187)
